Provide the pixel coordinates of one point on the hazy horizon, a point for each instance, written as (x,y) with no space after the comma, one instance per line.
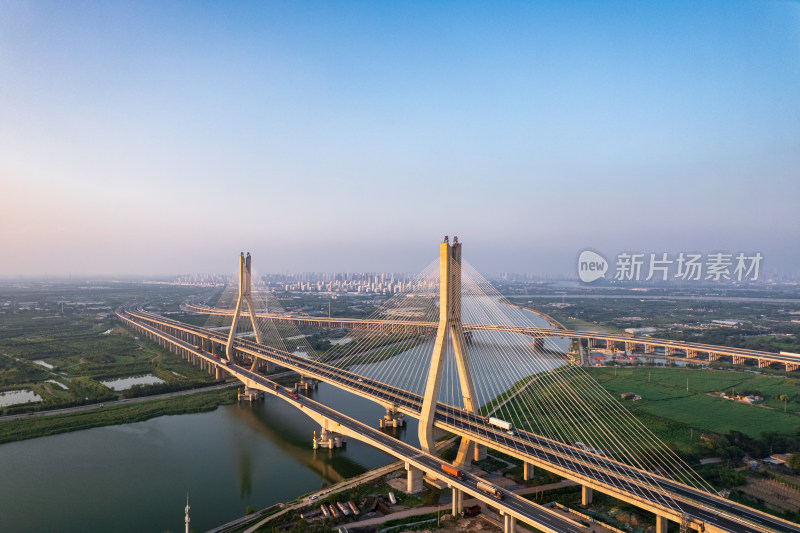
(148,138)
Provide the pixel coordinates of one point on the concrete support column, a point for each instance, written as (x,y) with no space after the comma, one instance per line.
(527,471)
(661,524)
(586,495)
(480,452)
(458,501)
(509,524)
(414,479)
(220,374)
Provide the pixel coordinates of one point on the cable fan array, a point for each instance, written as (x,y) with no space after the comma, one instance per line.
(538,390)
(284,336)
(525,379)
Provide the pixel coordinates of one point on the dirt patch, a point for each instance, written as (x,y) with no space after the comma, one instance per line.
(773,494)
(467,525)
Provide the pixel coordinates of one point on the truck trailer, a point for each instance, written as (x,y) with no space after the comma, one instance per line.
(508,427)
(490,490)
(455,472)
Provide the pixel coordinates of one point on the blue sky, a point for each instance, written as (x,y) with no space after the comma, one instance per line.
(162,137)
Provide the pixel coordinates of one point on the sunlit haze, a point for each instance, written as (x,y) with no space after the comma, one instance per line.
(154,138)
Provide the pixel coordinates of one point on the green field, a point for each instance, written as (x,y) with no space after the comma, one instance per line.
(671,412)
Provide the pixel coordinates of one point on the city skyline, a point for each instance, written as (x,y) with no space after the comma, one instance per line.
(151,139)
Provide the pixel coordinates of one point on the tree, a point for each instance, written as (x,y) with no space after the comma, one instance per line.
(794,462)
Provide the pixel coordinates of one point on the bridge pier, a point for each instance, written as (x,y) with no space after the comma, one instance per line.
(250,394)
(219,374)
(527,471)
(792,366)
(669,350)
(509,524)
(630,347)
(305,383)
(481,452)
(328,439)
(586,495)
(458,501)
(763,363)
(649,348)
(662,524)
(738,360)
(392,419)
(713,356)
(413,479)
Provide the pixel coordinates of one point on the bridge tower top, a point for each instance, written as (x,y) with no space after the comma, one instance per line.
(244,296)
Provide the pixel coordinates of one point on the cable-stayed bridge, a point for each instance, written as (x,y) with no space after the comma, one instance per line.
(453,378)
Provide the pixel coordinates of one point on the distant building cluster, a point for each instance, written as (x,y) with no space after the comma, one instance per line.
(343,282)
(200,280)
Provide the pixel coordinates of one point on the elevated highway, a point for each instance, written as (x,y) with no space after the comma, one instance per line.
(648,345)
(667,498)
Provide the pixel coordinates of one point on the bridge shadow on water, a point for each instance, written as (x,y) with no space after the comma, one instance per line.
(289,430)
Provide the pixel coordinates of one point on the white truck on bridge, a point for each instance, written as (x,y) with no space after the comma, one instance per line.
(508,427)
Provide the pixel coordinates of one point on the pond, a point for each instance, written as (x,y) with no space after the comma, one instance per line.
(126,383)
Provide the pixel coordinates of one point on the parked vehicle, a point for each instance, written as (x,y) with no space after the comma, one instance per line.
(472,511)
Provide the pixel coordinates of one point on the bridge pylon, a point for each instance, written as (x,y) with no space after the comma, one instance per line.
(244,296)
(449,328)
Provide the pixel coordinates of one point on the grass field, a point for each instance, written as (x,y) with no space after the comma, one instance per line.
(672,412)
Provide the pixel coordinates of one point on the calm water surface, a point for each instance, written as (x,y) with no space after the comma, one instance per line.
(126,383)
(15,397)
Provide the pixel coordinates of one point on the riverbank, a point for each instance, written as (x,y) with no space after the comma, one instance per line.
(23,427)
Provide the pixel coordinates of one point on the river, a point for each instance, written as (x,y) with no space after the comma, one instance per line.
(135,477)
